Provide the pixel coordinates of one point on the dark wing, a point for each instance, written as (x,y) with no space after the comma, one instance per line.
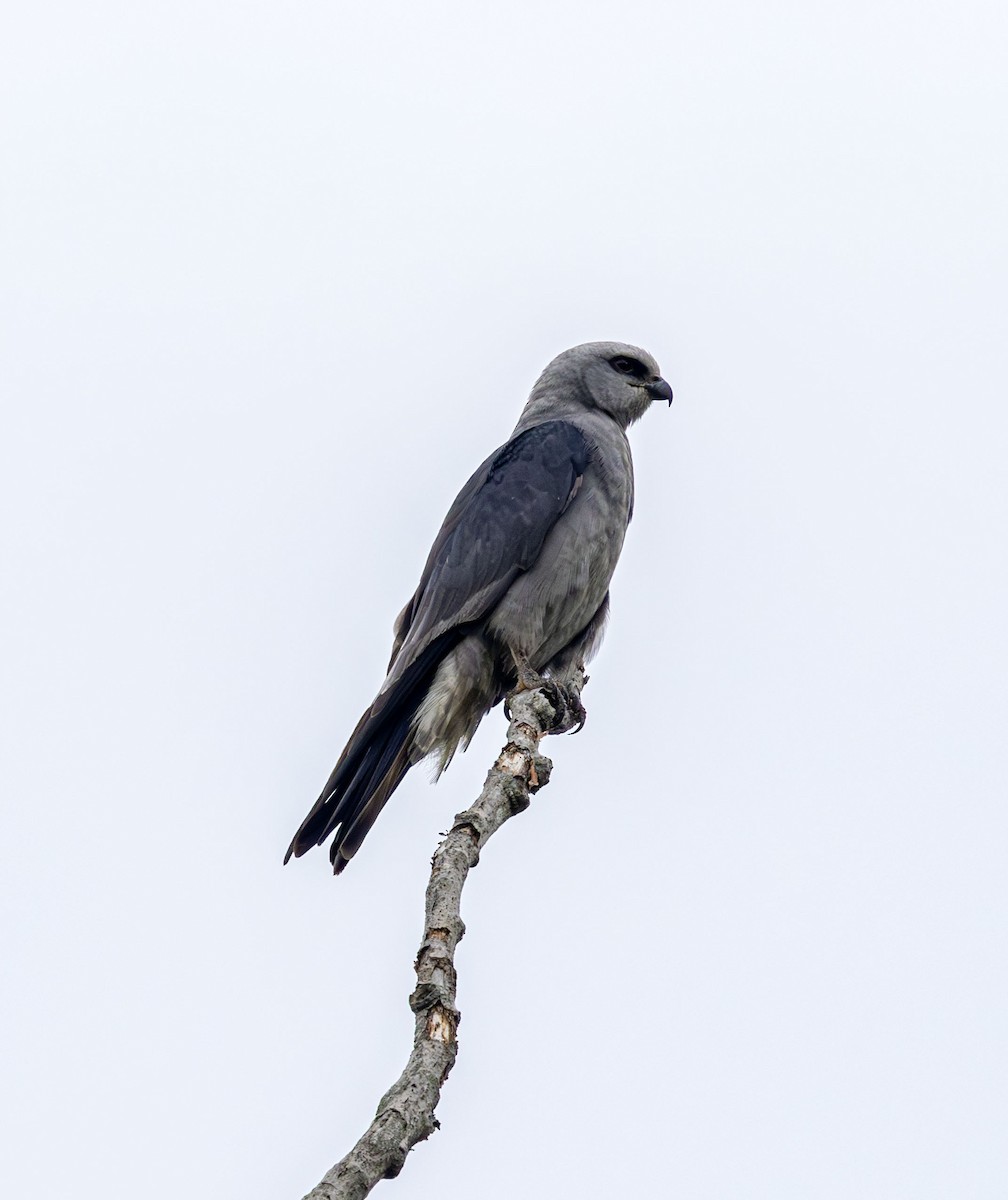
(493,531)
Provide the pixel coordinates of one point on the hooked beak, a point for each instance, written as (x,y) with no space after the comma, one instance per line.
(658,389)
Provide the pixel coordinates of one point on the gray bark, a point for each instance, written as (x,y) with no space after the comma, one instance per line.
(405,1113)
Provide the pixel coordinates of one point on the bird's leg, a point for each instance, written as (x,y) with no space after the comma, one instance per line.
(528,679)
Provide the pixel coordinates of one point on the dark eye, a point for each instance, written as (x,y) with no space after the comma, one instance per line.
(627,366)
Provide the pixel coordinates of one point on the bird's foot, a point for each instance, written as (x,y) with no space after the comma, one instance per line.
(528,681)
(570,712)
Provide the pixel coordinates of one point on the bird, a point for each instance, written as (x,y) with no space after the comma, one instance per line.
(515,591)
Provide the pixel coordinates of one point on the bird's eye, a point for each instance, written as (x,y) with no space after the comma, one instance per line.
(627,366)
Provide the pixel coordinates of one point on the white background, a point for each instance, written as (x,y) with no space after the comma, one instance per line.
(275,278)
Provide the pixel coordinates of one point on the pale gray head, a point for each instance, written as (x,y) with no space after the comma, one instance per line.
(621,380)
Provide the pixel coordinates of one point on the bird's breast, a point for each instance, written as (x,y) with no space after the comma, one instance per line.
(553,601)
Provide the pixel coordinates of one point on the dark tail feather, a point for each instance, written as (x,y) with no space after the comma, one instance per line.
(371,767)
(352,835)
(356,777)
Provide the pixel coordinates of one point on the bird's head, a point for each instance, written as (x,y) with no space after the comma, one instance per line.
(619,379)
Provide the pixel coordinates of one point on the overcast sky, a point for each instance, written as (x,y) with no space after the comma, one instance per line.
(274,279)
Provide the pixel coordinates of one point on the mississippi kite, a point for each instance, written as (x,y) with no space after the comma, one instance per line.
(516,586)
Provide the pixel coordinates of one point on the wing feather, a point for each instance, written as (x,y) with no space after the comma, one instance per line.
(493,531)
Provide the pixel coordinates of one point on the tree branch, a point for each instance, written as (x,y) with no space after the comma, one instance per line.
(405,1113)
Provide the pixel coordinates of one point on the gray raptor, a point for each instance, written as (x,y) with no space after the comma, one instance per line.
(516,586)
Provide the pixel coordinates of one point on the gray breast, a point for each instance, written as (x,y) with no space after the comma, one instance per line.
(552,602)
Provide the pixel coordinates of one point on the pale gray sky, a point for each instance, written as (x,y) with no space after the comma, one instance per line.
(274,279)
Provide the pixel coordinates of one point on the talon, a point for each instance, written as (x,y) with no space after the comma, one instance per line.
(558,699)
(570,715)
(577,710)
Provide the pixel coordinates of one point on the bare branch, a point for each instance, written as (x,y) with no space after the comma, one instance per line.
(405,1114)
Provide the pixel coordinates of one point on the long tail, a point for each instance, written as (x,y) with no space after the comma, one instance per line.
(371,767)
